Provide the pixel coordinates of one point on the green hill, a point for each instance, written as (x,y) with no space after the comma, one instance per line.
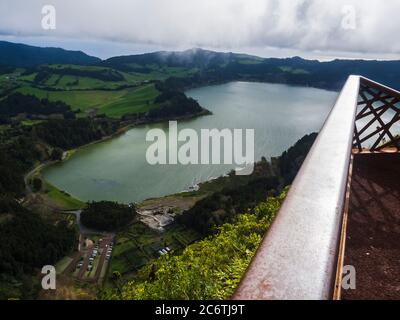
(22,55)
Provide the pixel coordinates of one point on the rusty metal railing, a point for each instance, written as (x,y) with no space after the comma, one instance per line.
(298,257)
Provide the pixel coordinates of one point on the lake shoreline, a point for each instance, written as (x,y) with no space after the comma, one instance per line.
(37,170)
(272,90)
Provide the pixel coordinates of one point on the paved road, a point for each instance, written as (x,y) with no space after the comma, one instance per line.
(29,174)
(72,265)
(83,269)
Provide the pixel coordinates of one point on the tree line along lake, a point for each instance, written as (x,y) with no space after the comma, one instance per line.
(117,169)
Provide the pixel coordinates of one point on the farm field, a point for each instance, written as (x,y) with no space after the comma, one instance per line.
(138,244)
(112,103)
(93,89)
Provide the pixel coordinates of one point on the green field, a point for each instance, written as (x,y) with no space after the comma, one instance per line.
(59,198)
(136,100)
(74,82)
(112,103)
(88,92)
(138,244)
(293,70)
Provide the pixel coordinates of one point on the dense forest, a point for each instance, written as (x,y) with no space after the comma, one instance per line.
(18,153)
(27,243)
(107,215)
(67,134)
(208,269)
(18,103)
(173,103)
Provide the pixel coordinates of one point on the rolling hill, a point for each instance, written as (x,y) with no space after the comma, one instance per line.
(221,67)
(22,55)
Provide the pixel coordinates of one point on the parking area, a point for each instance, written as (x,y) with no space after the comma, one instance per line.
(90,262)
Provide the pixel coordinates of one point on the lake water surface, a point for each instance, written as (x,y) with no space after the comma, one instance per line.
(117,169)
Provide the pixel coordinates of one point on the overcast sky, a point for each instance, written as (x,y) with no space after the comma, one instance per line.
(321,29)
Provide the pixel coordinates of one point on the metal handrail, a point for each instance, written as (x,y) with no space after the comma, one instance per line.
(297,258)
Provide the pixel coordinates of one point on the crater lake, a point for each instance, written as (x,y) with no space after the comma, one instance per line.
(117,169)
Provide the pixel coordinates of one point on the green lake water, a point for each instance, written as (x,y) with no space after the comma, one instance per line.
(117,169)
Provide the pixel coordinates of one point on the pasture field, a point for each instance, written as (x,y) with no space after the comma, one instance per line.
(59,198)
(112,103)
(94,89)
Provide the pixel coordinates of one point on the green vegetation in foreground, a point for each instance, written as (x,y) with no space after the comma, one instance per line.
(208,269)
(111,103)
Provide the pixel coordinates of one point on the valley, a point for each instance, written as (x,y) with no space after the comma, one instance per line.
(72,132)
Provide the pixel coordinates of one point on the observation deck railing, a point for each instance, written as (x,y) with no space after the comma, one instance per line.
(301,254)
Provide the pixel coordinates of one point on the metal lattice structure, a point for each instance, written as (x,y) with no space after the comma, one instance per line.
(378,117)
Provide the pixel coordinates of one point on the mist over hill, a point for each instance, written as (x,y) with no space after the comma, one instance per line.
(208,67)
(220,67)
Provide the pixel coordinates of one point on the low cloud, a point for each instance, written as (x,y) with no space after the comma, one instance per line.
(307,25)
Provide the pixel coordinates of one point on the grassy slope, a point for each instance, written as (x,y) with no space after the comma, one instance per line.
(60,199)
(85,93)
(137,100)
(54,197)
(112,103)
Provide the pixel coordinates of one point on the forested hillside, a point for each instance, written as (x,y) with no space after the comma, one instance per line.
(242,192)
(27,243)
(22,55)
(216,67)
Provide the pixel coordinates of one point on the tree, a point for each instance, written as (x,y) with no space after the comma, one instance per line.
(56,154)
(107,215)
(37,184)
